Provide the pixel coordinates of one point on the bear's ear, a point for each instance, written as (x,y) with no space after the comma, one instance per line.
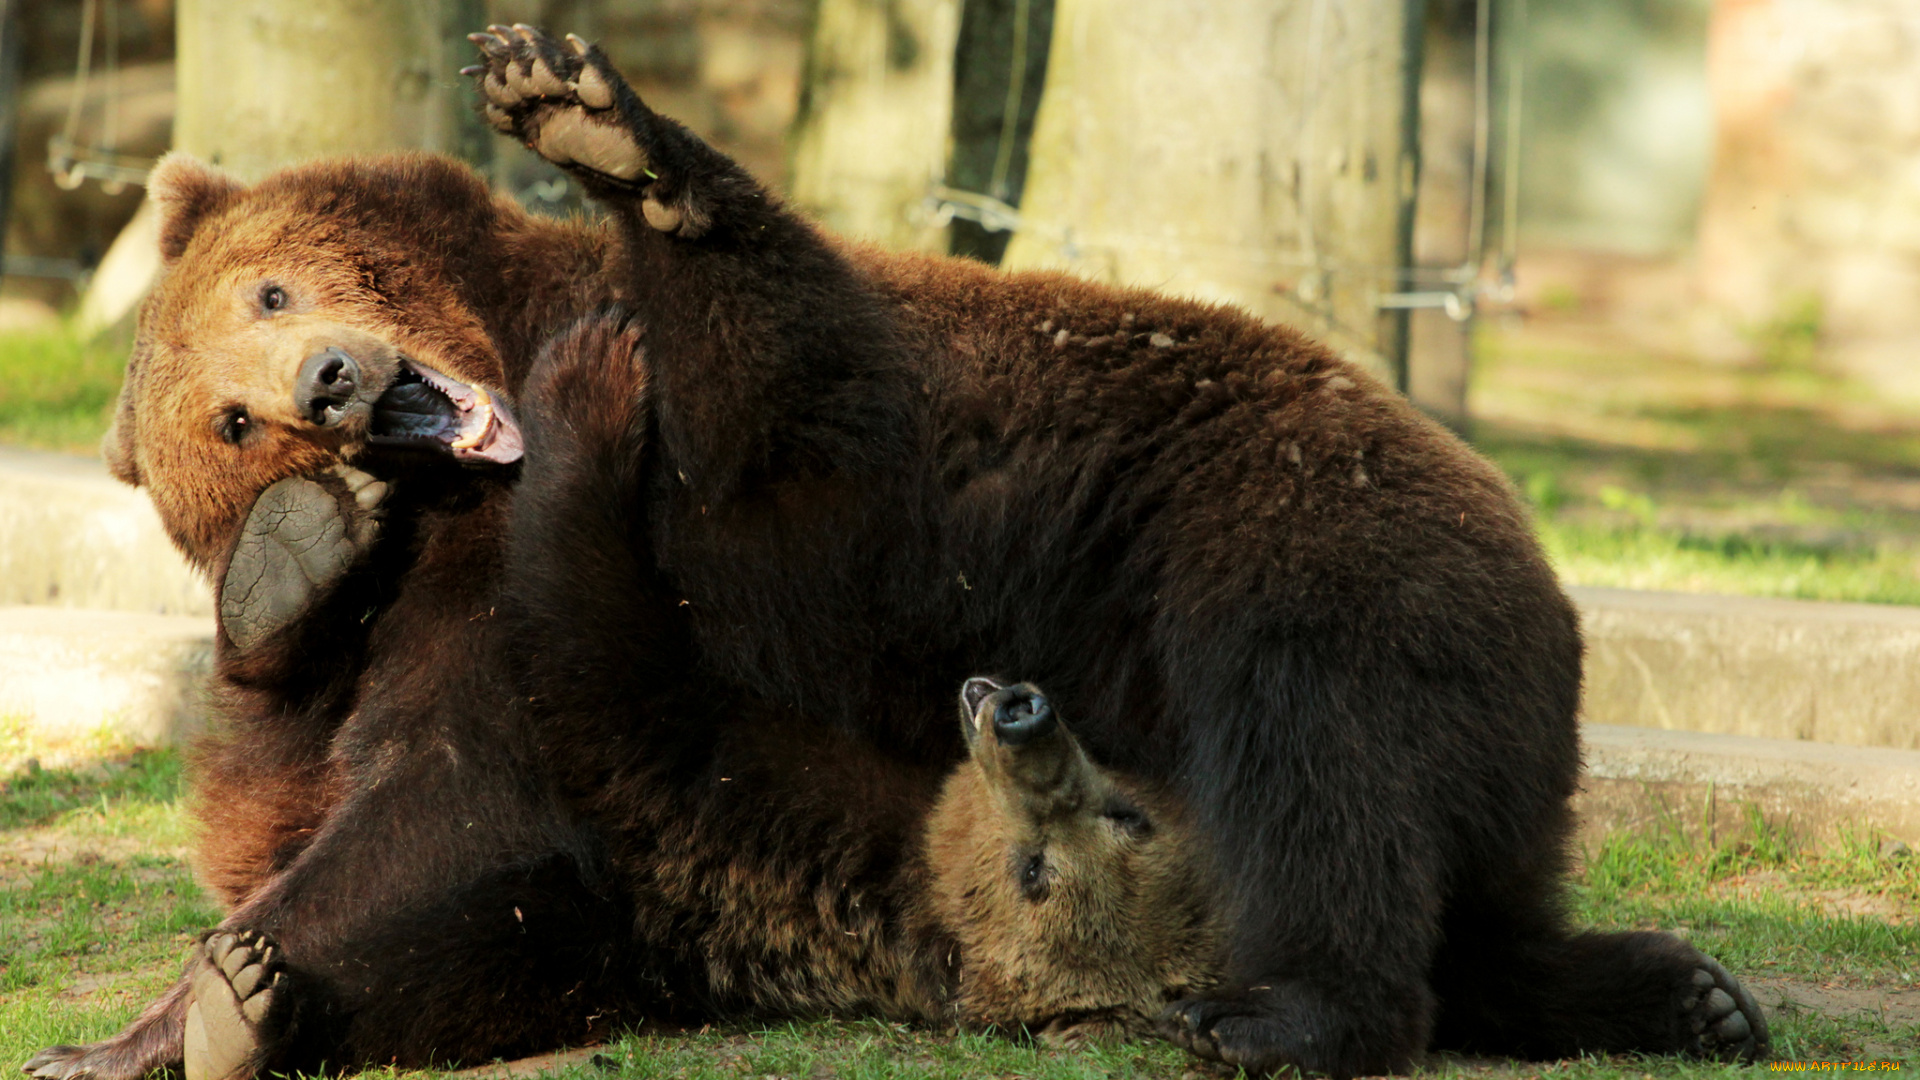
(117,446)
(186,191)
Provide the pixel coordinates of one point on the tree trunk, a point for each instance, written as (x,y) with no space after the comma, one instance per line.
(1259,152)
(9,108)
(266,83)
(875,109)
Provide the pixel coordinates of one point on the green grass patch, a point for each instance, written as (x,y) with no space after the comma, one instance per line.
(1753,899)
(56,390)
(1637,556)
(86,939)
(1779,477)
(37,796)
(86,942)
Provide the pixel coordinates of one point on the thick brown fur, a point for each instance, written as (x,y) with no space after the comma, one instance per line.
(501,753)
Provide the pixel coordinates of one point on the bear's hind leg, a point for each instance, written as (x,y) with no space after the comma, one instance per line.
(1538,993)
(150,1043)
(301,537)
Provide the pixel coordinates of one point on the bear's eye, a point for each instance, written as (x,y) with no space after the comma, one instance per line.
(1033,877)
(272,298)
(234,424)
(1128,818)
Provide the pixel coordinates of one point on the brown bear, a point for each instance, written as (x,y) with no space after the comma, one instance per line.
(472,754)
(1081,902)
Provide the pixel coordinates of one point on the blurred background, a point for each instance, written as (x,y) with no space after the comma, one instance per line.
(1659,258)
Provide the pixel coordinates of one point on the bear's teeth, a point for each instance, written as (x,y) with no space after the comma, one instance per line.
(482,406)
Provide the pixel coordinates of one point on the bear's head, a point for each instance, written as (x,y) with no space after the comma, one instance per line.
(1082,901)
(328,313)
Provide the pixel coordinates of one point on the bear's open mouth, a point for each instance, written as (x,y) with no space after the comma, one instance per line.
(426,408)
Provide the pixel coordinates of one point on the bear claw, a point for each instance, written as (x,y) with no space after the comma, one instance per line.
(236,997)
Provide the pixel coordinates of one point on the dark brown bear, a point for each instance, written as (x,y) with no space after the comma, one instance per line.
(1257,578)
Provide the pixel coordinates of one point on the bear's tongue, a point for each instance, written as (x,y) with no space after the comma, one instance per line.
(426,408)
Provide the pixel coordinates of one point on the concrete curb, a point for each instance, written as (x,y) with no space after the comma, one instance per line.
(1639,776)
(79,684)
(1742,665)
(73,536)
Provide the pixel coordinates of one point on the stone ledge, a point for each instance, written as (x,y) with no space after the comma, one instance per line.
(76,684)
(73,536)
(1638,776)
(1739,665)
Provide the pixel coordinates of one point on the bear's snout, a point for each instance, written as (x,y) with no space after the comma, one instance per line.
(326,385)
(1022,715)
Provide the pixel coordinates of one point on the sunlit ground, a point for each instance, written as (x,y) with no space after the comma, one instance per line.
(1655,471)
(97,908)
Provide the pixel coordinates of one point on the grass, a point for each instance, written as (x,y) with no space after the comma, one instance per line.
(1661,471)
(95,926)
(57,391)
(96,907)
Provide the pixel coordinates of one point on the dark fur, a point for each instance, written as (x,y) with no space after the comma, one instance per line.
(743,584)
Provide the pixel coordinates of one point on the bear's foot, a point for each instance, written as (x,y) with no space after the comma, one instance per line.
(299,540)
(237,1010)
(570,106)
(1088,1028)
(1280,1025)
(1725,1022)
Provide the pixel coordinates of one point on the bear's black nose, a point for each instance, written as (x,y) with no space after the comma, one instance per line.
(325,386)
(1021,716)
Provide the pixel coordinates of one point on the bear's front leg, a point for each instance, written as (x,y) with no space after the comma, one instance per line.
(300,539)
(570,106)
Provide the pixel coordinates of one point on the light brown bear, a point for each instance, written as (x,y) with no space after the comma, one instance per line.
(1082,902)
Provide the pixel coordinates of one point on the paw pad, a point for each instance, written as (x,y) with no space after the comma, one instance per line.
(237,998)
(1723,1017)
(559,101)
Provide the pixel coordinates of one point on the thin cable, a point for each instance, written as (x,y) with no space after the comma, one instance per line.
(1510,197)
(1016,90)
(1309,242)
(110,109)
(83,68)
(1482,128)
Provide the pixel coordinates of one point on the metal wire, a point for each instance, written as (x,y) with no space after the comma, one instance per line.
(1016,90)
(72,164)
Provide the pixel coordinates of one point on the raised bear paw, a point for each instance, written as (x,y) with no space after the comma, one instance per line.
(570,106)
(302,536)
(562,102)
(1722,1017)
(238,1008)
